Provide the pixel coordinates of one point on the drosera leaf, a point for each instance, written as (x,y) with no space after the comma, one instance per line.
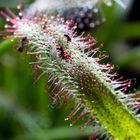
(76,75)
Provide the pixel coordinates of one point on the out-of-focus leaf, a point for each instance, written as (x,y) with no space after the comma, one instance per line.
(129,30)
(5,45)
(29,121)
(12,3)
(123,3)
(64,133)
(58,133)
(129,58)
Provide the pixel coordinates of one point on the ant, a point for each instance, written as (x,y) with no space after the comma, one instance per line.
(61,52)
(68,37)
(23,42)
(64,54)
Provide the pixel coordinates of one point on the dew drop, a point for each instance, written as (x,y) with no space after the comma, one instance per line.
(20,14)
(95,10)
(6,26)
(66,119)
(52,17)
(7,19)
(71,124)
(19,6)
(109,3)
(14,26)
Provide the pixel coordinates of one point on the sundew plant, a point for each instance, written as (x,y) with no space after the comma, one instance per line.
(76,78)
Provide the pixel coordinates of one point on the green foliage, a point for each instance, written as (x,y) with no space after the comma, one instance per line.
(13,3)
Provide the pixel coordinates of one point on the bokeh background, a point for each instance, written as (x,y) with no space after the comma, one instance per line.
(25,109)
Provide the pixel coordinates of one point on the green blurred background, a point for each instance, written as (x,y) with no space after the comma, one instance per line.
(25,111)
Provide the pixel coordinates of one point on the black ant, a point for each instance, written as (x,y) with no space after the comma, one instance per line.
(68,37)
(23,42)
(62,53)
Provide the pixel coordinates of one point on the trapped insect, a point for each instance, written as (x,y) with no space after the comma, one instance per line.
(68,37)
(22,43)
